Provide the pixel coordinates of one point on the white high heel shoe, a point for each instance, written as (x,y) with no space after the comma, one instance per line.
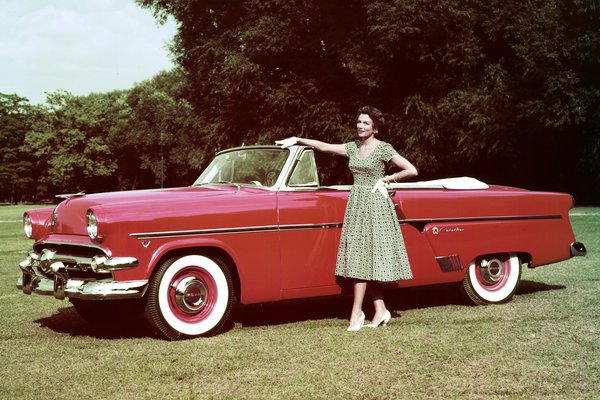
(361,323)
(386,318)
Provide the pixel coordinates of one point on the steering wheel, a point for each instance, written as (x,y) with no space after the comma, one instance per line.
(271,177)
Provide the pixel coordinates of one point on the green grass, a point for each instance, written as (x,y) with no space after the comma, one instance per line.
(543,344)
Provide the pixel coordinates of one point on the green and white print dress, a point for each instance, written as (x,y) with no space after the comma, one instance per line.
(371,245)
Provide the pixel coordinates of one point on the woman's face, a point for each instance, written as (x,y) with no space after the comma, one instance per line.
(364,126)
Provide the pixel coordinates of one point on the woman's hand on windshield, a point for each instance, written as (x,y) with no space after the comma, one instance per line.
(284,143)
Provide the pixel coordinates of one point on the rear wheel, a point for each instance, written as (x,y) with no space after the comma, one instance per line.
(189,296)
(492,279)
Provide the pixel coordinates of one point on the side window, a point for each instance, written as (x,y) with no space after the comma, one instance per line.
(305,173)
(333,170)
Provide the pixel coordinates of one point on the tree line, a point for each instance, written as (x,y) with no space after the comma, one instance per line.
(144,137)
(506,91)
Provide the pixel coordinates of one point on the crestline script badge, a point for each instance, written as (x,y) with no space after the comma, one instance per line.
(437,230)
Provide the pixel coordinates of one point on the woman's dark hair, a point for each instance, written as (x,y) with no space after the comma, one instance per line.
(374,114)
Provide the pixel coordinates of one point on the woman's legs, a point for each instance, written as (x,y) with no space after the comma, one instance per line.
(378,303)
(360,288)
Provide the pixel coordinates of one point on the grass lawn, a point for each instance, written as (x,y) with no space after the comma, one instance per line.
(544,344)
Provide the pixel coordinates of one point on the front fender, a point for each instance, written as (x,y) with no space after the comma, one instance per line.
(40,222)
(253,259)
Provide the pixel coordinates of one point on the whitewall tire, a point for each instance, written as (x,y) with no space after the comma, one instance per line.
(492,279)
(189,296)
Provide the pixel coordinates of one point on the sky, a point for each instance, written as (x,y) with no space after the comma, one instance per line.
(81,46)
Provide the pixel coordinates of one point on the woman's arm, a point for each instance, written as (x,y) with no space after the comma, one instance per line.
(407,170)
(338,149)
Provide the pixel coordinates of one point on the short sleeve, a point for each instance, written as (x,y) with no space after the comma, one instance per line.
(387,152)
(351,148)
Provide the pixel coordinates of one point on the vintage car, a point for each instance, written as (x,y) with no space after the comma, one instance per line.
(257,226)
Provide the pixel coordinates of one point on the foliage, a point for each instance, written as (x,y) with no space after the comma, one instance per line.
(14,162)
(507,91)
(67,140)
(468,87)
(144,137)
(157,134)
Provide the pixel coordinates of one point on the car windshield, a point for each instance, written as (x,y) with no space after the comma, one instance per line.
(253,167)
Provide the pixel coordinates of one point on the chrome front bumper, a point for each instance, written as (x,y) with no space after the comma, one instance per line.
(49,273)
(80,289)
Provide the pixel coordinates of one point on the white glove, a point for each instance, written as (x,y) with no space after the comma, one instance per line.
(381,186)
(287,142)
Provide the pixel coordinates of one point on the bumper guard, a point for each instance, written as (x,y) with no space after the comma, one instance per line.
(47,273)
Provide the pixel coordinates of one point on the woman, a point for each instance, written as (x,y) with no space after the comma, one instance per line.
(371,246)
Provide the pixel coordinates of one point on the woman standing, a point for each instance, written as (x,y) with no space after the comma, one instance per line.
(371,246)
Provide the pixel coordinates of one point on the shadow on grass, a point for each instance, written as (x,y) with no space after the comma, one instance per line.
(528,287)
(67,321)
(338,307)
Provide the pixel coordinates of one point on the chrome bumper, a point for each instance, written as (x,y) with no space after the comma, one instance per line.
(80,289)
(49,273)
(578,249)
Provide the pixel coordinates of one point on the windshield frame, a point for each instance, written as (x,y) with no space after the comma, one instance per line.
(283,172)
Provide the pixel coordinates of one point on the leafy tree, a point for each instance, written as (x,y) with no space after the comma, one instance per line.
(68,141)
(498,89)
(14,161)
(157,138)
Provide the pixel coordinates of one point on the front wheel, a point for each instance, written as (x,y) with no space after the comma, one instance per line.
(492,279)
(189,296)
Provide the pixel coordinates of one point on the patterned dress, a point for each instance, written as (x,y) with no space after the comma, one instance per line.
(371,245)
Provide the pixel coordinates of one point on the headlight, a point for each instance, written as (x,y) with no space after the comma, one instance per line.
(92,225)
(27,225)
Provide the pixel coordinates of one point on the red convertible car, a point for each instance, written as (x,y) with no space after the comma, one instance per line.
(257,226)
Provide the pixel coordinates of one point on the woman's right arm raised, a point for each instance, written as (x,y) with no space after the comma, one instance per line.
(338,149)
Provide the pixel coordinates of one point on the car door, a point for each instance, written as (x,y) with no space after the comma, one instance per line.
(310,220)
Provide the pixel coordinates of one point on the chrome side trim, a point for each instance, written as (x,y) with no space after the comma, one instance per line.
(80,289)
(420,223)
(224,231)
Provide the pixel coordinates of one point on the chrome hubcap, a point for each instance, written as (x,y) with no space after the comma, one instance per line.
(491,270)
(190,295)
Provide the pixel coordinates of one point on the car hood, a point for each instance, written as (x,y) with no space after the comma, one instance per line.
(165,208)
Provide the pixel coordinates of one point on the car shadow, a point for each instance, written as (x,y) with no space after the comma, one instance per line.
(67,321)
(528,287)
(338,307)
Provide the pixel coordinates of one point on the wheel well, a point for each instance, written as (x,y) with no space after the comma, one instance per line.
(524,258)
(212,252)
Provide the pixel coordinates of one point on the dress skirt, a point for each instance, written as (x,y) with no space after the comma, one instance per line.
(371,244)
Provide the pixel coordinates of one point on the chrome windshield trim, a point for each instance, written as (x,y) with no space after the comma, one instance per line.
(225,231)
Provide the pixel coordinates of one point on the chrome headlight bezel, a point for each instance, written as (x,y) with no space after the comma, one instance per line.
(54,218)
(92,225)
(27,226)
